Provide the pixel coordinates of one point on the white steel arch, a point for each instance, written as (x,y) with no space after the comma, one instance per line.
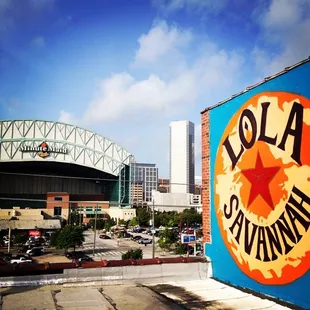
(21,140)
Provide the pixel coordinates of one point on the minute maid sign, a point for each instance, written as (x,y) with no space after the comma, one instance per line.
(43,150)
(262,187)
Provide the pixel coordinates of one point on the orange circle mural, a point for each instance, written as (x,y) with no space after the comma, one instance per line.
(262,187)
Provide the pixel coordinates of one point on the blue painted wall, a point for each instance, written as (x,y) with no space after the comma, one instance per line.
(224,267)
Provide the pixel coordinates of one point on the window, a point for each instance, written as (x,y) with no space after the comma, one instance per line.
(58,198)
(57,211)
(89,208)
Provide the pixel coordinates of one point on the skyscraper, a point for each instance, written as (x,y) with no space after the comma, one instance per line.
(182,157)
(145,175)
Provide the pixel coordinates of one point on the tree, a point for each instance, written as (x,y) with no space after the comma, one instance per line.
(70,237)
(133,253)
(75,218)
(54,237)
(100,224)
(122,222)
(167,238)
(133,222)
(143,216)
(180,249)
(191,216)
(109,223)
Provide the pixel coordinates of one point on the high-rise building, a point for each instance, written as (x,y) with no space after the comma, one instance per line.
(163,185)
(182,157)
(147,175)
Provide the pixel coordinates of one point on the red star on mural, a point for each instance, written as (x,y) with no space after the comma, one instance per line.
(260,177)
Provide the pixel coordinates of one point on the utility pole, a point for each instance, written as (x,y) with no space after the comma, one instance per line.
(153,230)
(9,244)
(95,228)
(69,216)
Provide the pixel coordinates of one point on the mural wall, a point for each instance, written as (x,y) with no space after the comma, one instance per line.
(260,188)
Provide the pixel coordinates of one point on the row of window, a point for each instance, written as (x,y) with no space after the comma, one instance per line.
(58,210)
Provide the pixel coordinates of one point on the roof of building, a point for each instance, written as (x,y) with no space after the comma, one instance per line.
(30,224)
(287,69)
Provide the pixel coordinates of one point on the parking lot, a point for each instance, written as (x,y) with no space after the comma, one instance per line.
(111,248)
(114,248)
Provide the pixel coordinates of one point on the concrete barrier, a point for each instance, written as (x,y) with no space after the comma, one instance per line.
(142,274)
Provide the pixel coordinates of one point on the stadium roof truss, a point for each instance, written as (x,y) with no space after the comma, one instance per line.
(20,140)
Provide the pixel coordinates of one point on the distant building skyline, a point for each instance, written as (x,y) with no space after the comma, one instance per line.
(145,175)
(182,157)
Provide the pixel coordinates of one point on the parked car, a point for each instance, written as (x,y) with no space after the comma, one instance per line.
(83,259)
(136,238)
(145,241)
(104,237)
(35,251)
(75,254)
(20,259)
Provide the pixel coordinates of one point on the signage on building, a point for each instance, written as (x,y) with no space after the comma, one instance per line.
(43,150)
(188,238)
(34,233)
(262,187)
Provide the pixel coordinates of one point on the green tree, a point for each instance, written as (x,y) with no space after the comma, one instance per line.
(75,218)
(70,237)
(133,222)
(100,224)
(109,223)
(143,216)
(191,216)
(122,222)
(54,237)
(133,253)
(180,249)
(167,238)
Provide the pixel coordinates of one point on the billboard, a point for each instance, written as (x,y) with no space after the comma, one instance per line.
(260,187)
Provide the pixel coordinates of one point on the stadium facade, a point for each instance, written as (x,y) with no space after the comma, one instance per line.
(58,167)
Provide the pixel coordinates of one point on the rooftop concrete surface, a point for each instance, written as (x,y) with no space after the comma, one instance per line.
(211,294)
(199,294)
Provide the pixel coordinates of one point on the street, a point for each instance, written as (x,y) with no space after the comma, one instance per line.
(111,249)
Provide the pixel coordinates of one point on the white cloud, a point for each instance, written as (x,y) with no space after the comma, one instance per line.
(191,5)
(122,96)
(66,117)
(38,42)
(160,41)
(283,14)
(147,105)
(285,26)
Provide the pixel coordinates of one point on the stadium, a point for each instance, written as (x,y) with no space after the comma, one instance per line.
(49,168)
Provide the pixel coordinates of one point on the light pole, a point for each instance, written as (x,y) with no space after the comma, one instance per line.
(95,228)
(153,230)
(9,244)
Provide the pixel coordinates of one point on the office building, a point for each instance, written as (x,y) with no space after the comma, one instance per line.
(147,175)
(182,157)
(163,185)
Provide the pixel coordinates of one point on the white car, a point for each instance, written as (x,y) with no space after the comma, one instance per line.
(20,260)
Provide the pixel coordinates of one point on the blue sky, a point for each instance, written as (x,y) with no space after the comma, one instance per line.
(126,68)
